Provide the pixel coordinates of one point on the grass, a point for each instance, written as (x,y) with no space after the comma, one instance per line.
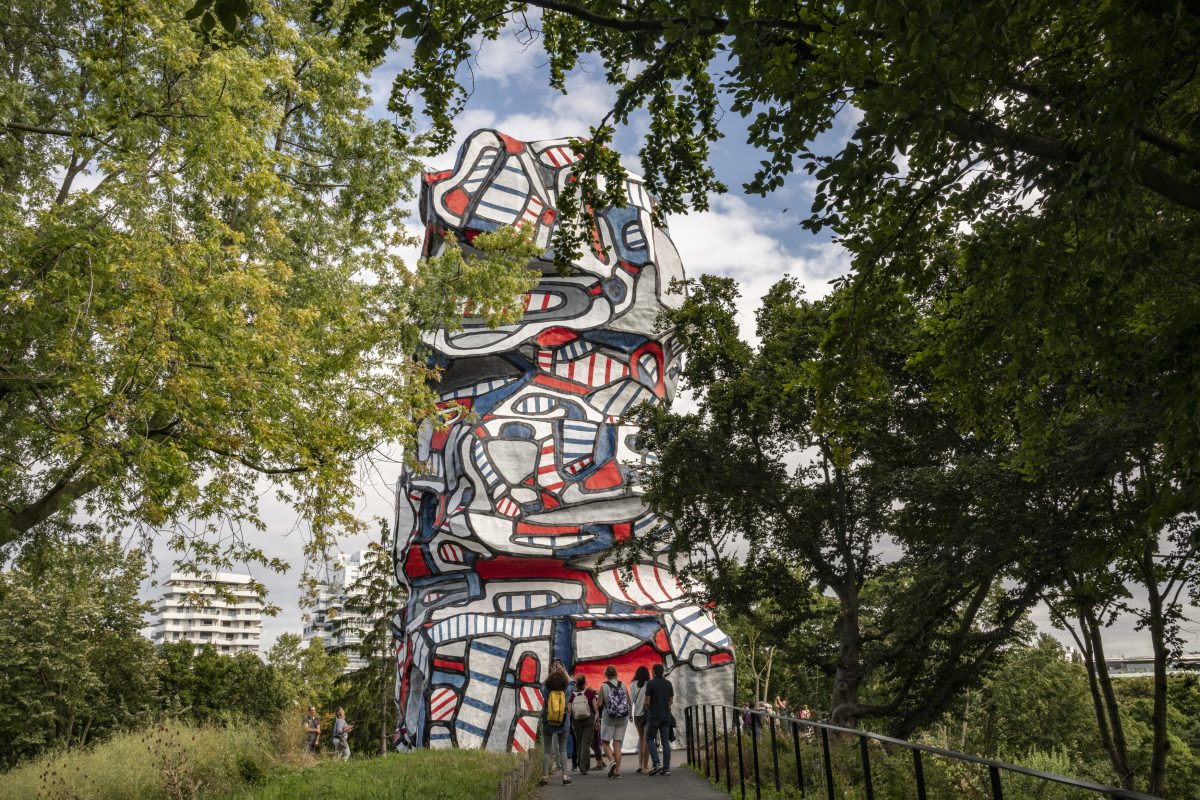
(240,761)
(169,761)
(421,775)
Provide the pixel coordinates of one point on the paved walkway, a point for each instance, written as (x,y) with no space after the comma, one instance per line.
(681,784)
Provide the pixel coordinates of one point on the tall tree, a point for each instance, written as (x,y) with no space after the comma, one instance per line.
(73,663)
(1066,100)
(201,297)
(779,510)
(375,597)
(1095,409)
(308,673)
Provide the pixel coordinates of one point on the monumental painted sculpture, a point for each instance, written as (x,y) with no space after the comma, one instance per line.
(527,479)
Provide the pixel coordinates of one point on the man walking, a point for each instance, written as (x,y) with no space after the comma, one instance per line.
(312,730)
(660,695)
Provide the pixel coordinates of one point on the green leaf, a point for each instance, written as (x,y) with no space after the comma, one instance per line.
(195,11)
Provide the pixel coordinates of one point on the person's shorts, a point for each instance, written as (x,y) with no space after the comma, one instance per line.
(613,728)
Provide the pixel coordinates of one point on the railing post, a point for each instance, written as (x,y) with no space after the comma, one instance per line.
(754,746)
(687,734)
(704,716)
(774,753)
(716,761)
(997,789)
(737,726)
(691,729)
(828,764)
(919,773)
(725,737)
(796,751)
(866,765)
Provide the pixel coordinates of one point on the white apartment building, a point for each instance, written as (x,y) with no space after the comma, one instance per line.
(339,629)
(192,611)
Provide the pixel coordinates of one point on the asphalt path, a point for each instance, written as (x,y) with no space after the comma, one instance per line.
(681,784)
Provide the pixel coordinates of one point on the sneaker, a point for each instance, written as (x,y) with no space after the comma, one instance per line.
(655,770)
(544,781)
(612,768)
(665,772)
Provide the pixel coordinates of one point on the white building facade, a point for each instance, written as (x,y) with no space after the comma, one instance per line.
(332,620)
(193,610)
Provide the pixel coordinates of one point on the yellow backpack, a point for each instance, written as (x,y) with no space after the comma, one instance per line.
(556,707)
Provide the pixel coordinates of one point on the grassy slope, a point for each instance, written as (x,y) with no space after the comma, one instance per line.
(157,763)
(423,775)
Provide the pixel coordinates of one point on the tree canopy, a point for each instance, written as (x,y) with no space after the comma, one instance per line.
(200,294)
(1064,133)
(74,666)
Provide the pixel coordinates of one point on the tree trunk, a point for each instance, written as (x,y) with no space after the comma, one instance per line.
(843,704)
(1104,699)
(1156,624)
(766,693)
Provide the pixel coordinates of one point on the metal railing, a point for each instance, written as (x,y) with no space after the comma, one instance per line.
(705,744)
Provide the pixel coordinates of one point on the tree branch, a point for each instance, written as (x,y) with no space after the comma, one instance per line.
(634,25)
(21,126)
(1150,177)
(254,465)
(67,489)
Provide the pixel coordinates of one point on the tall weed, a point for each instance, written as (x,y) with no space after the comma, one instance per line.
(169,761)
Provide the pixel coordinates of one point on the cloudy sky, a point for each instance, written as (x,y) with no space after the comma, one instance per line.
(752,239)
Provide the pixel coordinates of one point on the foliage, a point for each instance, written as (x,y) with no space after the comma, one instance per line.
(420,775)
(1017,114)
(209,687)
(73,664)
(757,644)
(1089,408)
(309,674)
(368,695)
(1035,710)
(1032,711)
(169,761)
(175,760)
(201,295)
(785,521)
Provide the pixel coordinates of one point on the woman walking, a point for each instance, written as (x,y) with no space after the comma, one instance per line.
(640,679)
(555,722)
(582,708)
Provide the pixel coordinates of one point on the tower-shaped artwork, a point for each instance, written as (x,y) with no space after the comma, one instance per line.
(527,481)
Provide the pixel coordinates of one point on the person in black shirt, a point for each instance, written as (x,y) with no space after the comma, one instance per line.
(660,694)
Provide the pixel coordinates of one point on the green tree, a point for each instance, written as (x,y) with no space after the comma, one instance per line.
(73,663)
(769,505)
(1095,411)
(369,692)
(308,673)
(206,686)
(201,298)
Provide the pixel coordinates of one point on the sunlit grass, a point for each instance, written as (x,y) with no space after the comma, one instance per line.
(422,775)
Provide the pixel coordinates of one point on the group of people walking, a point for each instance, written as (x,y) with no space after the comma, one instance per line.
(579,721)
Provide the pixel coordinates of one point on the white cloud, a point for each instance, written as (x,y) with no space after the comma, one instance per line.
(735,239)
